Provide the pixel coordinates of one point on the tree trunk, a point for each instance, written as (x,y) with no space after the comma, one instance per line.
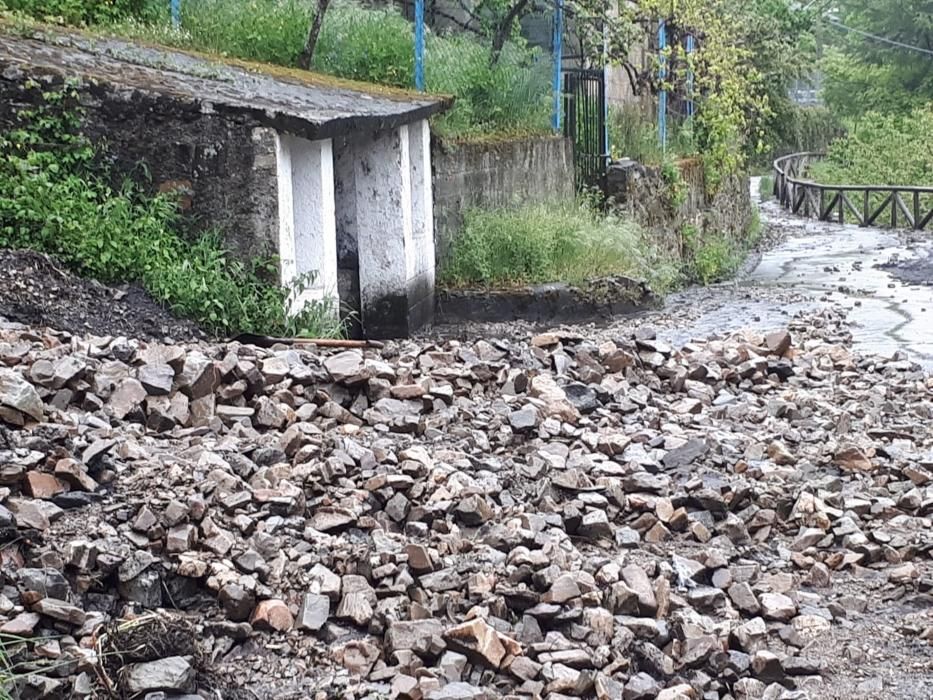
(504,29)
(307,53)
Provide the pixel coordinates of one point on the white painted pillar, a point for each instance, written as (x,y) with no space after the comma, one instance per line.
(384,231)
(307,220)
(395,230)
(345,193)
(422,201)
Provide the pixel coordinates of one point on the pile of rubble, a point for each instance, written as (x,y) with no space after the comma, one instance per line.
(564,517)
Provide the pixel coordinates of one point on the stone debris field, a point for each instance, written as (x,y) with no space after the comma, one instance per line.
(575,514)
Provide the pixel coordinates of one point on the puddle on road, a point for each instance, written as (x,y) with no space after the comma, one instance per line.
(831,263)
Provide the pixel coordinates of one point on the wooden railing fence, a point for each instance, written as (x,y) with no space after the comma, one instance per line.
(866,205)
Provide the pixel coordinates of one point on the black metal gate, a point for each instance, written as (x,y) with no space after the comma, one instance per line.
(585,123)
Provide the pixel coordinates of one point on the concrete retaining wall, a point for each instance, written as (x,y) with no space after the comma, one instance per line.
(489,175)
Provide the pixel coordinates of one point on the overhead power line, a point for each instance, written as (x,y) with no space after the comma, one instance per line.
(869,35)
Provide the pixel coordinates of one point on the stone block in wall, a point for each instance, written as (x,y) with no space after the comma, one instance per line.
(621,177)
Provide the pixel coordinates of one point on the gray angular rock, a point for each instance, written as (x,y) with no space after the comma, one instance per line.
(473,510)
(777,606)
(174,673)
(156,379)
(458,691)
(19,394)
(313,613)
(412,634)
(347,367)
(127,397)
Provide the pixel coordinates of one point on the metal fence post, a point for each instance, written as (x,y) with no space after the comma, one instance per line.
(176,13)
(606,148)
(691,107)
(662,97)
(558,50)
(419,44)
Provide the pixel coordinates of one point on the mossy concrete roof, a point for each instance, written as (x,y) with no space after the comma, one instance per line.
(298,102)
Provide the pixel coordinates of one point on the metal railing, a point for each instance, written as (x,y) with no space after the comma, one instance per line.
(867,205)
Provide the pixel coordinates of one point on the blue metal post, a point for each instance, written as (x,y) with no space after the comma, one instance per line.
(176,13)
(605,135)
(662,74)
(558,50)
(691,108)
(419,44)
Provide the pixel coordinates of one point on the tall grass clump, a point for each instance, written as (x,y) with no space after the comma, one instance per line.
(633,133)
(511,96)
(569,242)
(370,44)
(82,12)
(56,197)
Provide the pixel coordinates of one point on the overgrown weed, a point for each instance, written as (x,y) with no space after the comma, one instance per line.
(570,242)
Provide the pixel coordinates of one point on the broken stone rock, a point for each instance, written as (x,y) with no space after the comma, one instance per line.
(19,394)
(483,643)
(174,673)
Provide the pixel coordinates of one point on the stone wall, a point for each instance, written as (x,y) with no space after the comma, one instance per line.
(642,193)
(222,167)
(489,175)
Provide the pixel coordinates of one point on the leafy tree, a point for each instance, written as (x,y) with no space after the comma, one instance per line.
(866,73)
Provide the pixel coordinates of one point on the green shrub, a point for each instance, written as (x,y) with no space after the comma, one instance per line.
(766,188)
(882,149)
(677,190)
(55,197)
(81,12)
(853,87)
(797,128)
(552,242)
(710,257)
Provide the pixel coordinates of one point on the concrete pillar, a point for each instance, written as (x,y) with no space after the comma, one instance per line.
(422,212)
(307,220)
(348,266)
(396,277)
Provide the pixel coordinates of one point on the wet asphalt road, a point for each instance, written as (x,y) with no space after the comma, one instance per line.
(882,278)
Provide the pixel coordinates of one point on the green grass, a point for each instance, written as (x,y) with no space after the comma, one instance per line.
(710,257)
(80,12)
(11,671)
(374,45)
(569,242)
(56,197)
